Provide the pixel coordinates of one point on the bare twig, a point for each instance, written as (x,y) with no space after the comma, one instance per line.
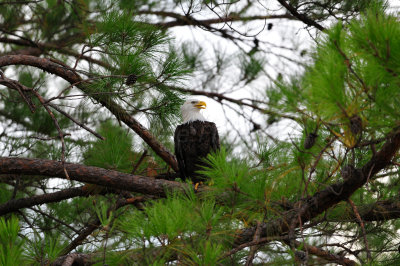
(60,132)
(187,20)
(220,97)
(55,107)
(301,17)
(22,90)
(349,66)
(353,206)
(135,167)
(54,218)
(313,167)
(252,243)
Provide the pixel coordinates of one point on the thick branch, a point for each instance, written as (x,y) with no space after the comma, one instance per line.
(88,174)
(120,113)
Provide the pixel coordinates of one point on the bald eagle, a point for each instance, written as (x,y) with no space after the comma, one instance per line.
(194,139)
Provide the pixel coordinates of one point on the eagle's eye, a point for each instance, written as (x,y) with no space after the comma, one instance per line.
(193,102)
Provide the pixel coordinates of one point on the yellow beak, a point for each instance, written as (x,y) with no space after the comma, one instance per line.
(201,105)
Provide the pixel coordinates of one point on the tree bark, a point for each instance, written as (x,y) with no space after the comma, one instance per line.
(89,174)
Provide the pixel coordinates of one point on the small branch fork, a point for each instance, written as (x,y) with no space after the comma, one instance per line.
(13,84)
(253,249)
(250,244)
(334,258)
(60,132)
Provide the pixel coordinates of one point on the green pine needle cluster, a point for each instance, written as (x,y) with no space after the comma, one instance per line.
(183,225)
(115,152)
(355,73)
(11,245)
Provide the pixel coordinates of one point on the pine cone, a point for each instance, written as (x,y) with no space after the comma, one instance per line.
(310,140)
(131,79)
(355,124)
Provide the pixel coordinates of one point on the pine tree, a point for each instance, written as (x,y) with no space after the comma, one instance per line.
(91,92)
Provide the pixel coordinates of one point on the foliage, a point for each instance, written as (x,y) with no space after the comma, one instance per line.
(115,152)
(11,245)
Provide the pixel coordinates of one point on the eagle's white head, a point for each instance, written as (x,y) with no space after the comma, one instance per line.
(191,110)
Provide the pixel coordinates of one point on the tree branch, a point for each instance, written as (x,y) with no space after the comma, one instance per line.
(379,211)
(83,191)
(326,255)
(182,20)
(220,97)
(22,89)
(16,204)
(309,208)
(89,174)
(39,48)
(301,17)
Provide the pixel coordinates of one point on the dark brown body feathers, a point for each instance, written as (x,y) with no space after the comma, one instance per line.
(193,141)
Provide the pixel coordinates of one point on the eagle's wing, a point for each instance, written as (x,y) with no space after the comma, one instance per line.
(179,152)
(214,138)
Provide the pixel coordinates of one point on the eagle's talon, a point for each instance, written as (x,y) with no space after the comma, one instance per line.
(196,186)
